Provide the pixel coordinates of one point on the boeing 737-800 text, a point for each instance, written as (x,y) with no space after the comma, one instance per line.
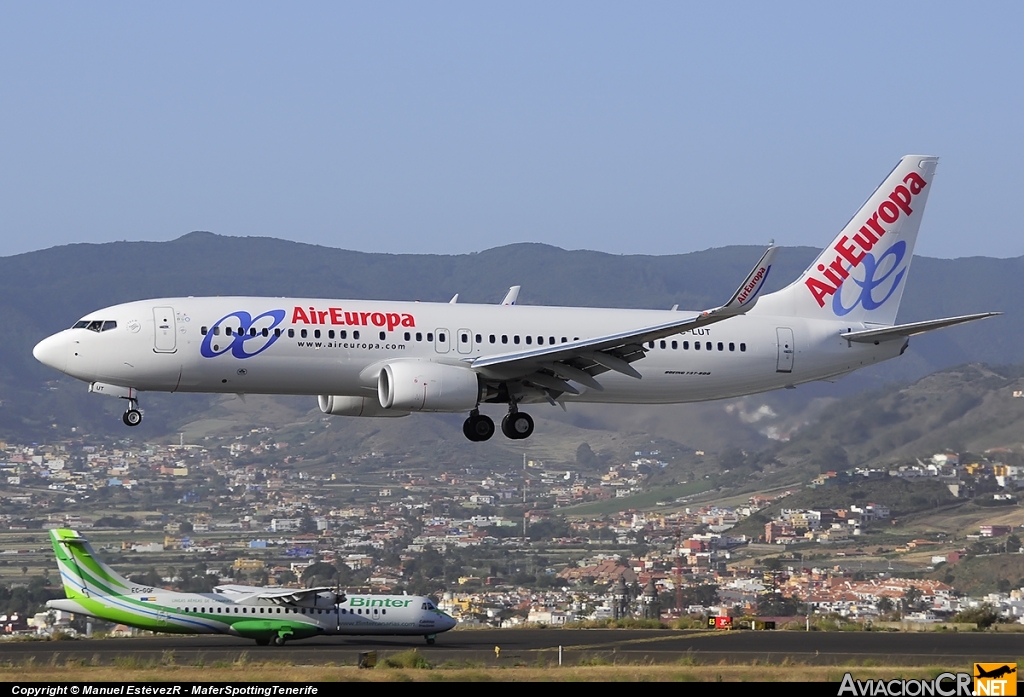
(268,615)
(373,359)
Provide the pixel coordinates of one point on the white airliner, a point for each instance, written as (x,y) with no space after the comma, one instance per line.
(371,359)
(267,615)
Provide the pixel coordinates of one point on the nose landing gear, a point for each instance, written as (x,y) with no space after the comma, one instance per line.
(133,416)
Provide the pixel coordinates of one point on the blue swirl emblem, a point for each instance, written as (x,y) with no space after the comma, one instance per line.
(242,335)
(866,297)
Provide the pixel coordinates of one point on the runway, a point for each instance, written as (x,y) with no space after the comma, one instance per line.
(539,646)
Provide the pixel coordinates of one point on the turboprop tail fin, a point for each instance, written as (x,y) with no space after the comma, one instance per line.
(861,275)
(82,573)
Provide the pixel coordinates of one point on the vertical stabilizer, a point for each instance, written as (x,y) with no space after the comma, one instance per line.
(861,275)
(82,573)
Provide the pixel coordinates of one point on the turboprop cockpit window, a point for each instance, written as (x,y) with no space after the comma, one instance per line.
(80,324)
(95,326)
(108,325)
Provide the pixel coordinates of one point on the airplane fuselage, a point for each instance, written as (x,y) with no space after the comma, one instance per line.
(337,347)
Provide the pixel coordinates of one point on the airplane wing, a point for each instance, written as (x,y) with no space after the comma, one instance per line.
(902,331)
(279,596)
(549,367)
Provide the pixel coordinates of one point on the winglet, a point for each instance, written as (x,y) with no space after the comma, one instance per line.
(511,296)
(749,291)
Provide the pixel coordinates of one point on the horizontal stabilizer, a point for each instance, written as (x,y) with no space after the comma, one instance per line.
(902,331)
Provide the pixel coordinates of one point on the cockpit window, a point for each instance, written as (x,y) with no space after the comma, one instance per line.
(95,325)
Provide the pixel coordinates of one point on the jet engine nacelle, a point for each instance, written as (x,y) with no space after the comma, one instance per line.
(355,406)
(427,386)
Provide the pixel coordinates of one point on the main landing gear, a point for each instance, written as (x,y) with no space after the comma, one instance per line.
(431,638)
(478,427)
(132,417)
(516,425)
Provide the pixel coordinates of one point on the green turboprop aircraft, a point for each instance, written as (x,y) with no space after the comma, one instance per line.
(266,615)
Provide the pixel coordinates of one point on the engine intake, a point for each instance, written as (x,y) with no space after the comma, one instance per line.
(355,406)
(426,386)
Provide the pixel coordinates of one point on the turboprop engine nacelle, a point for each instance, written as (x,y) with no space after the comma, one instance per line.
(427,386)
(355,406)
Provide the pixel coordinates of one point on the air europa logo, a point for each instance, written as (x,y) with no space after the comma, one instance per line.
(751,289)
(243,335)
(336,315)
(855,251)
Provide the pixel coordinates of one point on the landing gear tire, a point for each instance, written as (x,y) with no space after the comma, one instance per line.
(132,417)
(517,425)
(430,639)
(478,427)
(278,640)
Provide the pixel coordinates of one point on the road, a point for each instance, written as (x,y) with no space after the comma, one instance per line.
(533,646)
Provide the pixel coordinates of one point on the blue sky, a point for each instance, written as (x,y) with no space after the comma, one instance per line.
(453,127)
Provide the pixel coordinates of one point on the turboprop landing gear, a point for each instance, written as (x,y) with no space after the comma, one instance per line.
(132,417)
(432,637)
(478,427)
(517,425)
(278,640)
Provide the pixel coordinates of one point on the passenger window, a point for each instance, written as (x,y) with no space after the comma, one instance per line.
(504,338)
(252,331)
(355,334)
(303,333)
(686,345)
(291,333)
(491,338)
(419,336)
(650,344)
(732,346)
(708,345)
(342,334)
(216,331)
(515,339)
(551,340)
(540,340)
(316,333)
(203,330)
(529,339)
(675,345)
(408,336)
(430,336)
(743,347)
(330,333)
(266,331)
(277,332)
(464,338)
(383,335)
(441,338)
(479,339)
(227,330)
(721,346)
(662,344)
(696,346)
(564,340)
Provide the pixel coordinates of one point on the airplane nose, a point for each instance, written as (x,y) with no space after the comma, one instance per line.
(52,351)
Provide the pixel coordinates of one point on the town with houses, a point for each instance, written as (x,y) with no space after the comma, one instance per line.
(498,548)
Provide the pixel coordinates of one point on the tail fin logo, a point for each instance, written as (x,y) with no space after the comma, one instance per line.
(852,253)
(866,297)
